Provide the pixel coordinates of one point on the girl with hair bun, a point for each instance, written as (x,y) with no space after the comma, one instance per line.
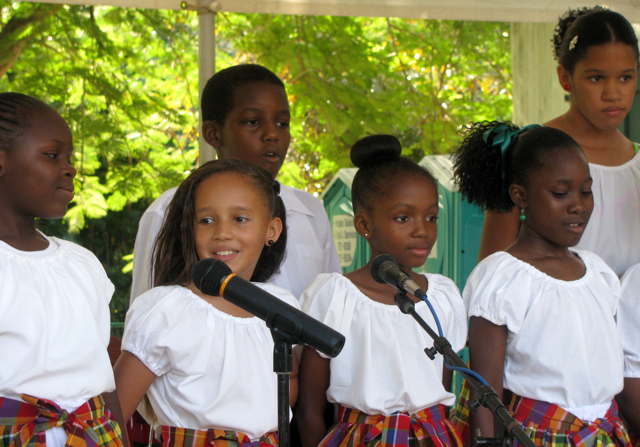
(388,391)
(597,54)
(542,328)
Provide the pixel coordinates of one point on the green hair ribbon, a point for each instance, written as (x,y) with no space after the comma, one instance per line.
(503,137)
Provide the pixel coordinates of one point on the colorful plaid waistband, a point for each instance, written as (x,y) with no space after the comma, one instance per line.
(355,428)
(187,437)
(351,415)
(543,420)
(24,423)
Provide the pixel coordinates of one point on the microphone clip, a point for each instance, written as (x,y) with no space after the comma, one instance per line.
(405,303)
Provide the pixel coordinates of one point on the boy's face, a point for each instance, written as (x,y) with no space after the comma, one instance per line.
(256,129)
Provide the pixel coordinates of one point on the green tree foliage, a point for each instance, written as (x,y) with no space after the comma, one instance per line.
(126,80)
(420,80)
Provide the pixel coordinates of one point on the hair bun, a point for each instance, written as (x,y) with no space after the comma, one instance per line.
(374,148)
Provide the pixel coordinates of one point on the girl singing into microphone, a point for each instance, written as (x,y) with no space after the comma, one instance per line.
(387,389)
(206,365)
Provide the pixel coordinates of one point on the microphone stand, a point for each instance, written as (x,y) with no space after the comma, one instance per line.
(485,395)
(284,334)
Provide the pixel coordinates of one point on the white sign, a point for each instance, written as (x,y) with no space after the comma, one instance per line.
(345,237)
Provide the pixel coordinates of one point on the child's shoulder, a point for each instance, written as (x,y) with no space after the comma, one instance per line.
(598,268)
(329,280)
(301,201)
(162,202)
(165,308)
(60,252)
(73,248)
(501,263)
(441,283)
(162,297)
(326,286)
(631,276)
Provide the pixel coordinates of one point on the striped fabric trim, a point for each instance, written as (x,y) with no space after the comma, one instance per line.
(548,425)
(460,414)
(23,424)
(428,427)
(187,437)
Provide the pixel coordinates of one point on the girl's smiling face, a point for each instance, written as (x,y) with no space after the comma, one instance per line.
(232,222)
(557,200)
(403,222)
(603,84)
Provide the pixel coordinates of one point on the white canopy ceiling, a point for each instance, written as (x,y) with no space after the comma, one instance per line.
(490,10)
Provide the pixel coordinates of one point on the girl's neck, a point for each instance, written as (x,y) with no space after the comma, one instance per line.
(381,293)
(607,147)
(553,260)
(21,233)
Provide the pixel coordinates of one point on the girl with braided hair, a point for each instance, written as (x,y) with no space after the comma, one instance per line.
(56,382)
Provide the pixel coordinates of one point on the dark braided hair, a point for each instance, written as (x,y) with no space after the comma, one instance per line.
(477,166)
(580,29)
(218,94)
(175,253)
(15,109)
(381,168)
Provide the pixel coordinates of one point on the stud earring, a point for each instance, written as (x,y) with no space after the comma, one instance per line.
(366,234)
(566,87)
(522,216)
(271,242)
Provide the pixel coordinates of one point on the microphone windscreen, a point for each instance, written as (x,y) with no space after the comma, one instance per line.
(208,274)
(376,267)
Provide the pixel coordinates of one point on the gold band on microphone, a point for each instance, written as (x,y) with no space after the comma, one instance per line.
(224,283)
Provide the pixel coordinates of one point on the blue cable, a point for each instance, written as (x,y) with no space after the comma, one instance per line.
(446,362)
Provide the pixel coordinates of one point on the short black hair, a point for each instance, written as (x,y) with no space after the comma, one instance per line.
(477,165)
(580,29)
(381,168)
(175,253)
(218,94)
(15,109)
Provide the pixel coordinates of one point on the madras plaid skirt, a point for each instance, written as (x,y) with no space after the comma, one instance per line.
(428,427)
(461,413)
(23,424)
(548,425)
(187,437)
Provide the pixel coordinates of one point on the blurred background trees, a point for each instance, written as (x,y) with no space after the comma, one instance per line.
(126,80)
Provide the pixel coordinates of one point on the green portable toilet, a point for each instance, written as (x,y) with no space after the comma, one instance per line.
(353,249)
(459,226)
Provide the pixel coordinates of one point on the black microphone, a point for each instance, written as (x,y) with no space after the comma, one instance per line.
(214,277)
(385,270)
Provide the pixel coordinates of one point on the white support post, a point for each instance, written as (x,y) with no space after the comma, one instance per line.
(207,65)
(537,95)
